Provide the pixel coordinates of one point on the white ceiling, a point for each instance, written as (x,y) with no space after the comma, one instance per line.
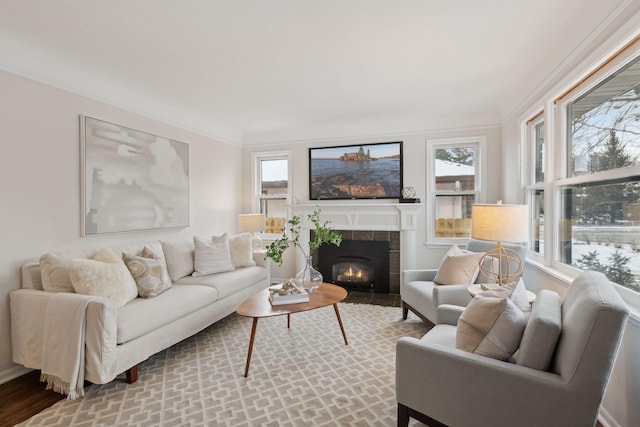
(261,71)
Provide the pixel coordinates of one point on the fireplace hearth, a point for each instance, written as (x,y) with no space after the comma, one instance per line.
(356,265)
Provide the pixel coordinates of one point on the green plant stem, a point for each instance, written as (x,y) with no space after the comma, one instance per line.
(291,237)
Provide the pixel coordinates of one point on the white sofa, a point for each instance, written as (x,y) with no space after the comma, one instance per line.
(118,339)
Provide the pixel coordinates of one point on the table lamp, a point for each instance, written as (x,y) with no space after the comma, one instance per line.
(500,223)
(254,224)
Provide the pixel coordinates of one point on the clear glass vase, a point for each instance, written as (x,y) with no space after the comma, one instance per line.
(309,278)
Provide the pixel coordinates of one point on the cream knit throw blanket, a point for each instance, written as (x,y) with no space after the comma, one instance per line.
(63,346)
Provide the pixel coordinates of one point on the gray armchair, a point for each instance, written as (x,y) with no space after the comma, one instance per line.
(441,385)
(422,296)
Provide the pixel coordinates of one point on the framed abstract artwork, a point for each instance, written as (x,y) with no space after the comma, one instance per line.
(131,180)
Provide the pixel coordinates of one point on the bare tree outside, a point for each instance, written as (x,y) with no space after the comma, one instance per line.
(602,215)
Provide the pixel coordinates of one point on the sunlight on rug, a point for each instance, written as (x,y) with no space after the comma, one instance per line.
(299,376)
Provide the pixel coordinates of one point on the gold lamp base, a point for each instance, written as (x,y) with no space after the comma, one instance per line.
(508,263)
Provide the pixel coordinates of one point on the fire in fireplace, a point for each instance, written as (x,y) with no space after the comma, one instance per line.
(353,272)
(356,265)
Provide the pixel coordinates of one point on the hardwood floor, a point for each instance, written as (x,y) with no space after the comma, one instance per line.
(23,397)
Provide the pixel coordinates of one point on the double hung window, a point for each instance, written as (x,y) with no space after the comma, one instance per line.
(272,189)
(598,195)
(454,185)
(535,179)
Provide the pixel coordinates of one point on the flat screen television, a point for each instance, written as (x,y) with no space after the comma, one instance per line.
(359,171)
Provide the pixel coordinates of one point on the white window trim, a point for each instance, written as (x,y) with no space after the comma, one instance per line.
(560,171)
(256,158)
(431,145)
(528,174)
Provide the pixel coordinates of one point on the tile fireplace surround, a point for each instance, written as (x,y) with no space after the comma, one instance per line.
(367,221)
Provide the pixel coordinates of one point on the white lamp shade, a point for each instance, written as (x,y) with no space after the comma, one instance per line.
(252,223)
(500,223)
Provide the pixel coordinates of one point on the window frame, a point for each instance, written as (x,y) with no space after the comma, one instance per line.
(531,185)
(256,183)
(562,149)
(479,142)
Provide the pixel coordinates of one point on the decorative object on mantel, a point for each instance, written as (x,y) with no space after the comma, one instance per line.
(408,195)
(308,278)
(131,180)
(288,292)
(254,224)
(500,223)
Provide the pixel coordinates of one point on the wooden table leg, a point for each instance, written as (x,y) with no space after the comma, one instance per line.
(253,337)
(344,335)
(288,320)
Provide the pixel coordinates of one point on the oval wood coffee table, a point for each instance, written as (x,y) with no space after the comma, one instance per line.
(258,306)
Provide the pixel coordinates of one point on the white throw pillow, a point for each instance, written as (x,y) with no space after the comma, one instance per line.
(516,293)
(149,273)
(458,268)
(491,325)
(240,249)
(55,270)
(211,258)
(179,256)
(105,275)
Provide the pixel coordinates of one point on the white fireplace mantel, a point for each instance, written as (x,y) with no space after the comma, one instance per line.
(400,217)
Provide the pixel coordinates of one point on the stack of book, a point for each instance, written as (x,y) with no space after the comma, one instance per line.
(276,299)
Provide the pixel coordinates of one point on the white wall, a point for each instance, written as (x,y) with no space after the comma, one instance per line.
(40,183)
(415,175)
(620,406)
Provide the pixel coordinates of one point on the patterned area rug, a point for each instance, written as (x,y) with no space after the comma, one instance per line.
(303,376)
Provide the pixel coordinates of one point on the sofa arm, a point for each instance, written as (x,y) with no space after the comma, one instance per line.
(101,341)
(451,294)
(260,257)
(455,387)
(449,314)
(28,317)
(418,275)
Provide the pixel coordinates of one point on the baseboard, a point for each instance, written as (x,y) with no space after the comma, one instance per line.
(606,419)
(15,372)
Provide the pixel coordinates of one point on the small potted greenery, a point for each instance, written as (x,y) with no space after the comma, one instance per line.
(309,277)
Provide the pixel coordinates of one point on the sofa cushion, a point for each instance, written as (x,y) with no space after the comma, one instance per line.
(211,256)
(229,282)
(141,249)
(179,256)
(488,264)
(241,251)
(491,325)
(441,334)
(105,275)
(149,272)
(542,332)
(459,269)
(142,316)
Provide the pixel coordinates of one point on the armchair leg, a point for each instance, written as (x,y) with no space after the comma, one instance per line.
(132,374)
(405,310)
(403,415)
